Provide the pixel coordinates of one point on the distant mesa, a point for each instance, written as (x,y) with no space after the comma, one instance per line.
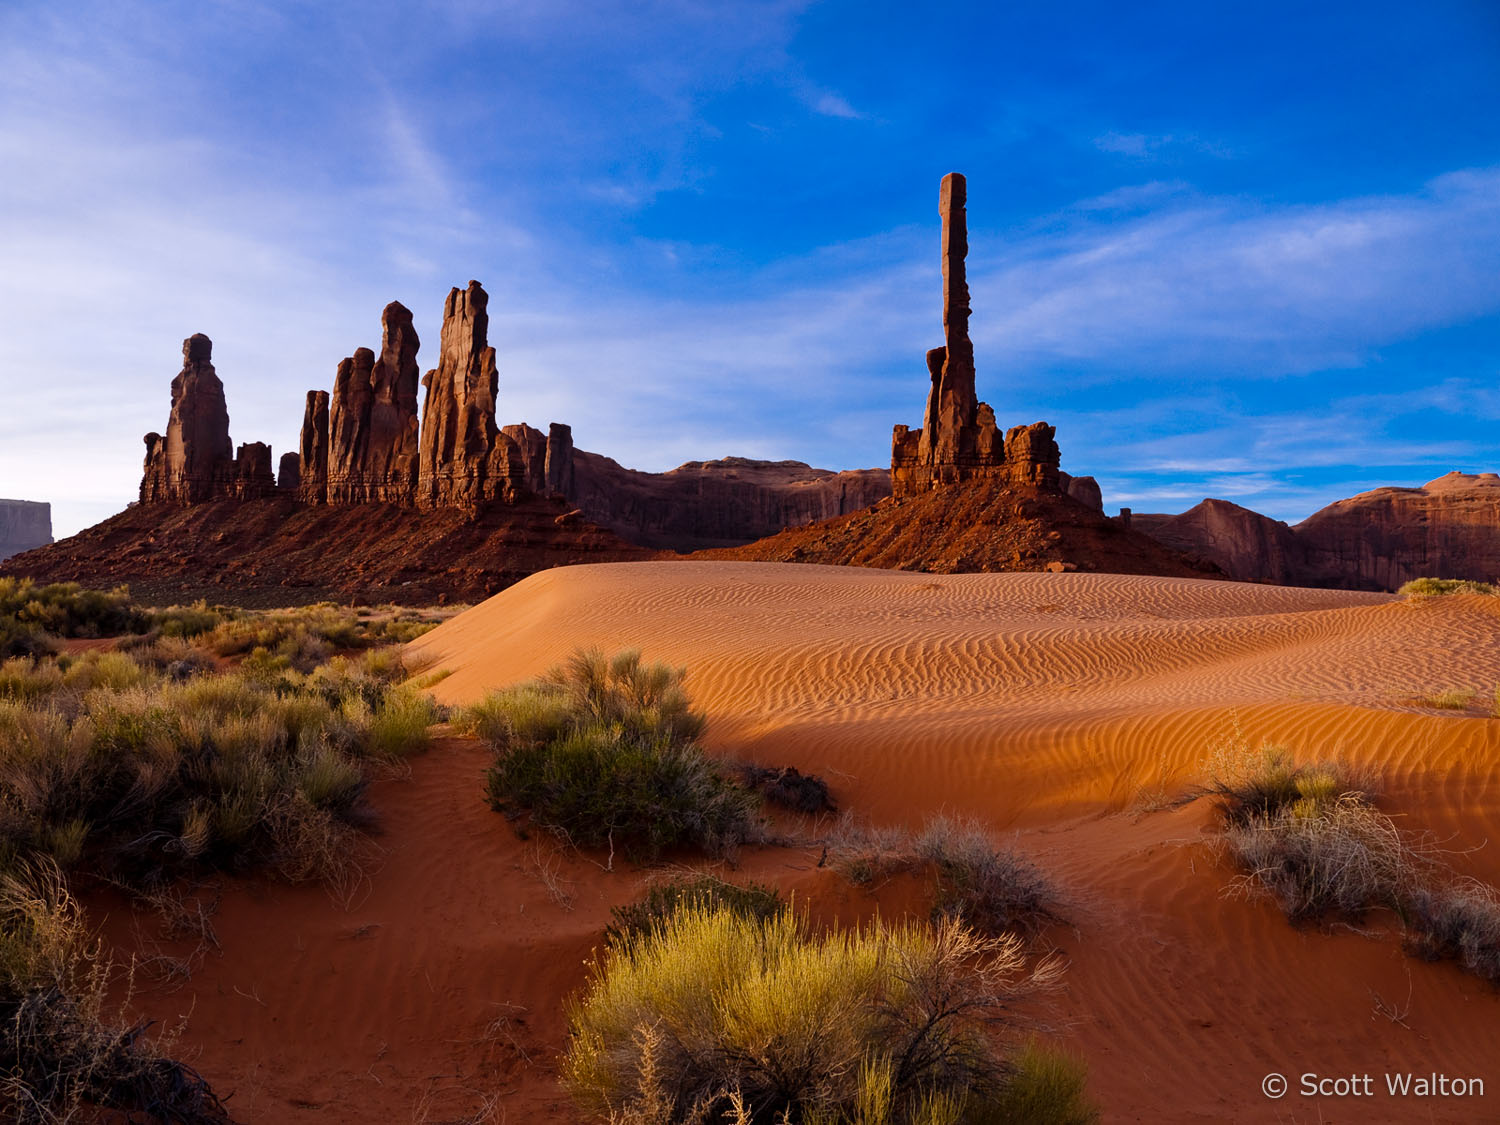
(1378,540)
(24,525)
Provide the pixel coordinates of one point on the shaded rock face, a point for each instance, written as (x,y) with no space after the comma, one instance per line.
(1083,489)
(1244,544)
(373,435)
(253,478)
(312,448)
(959,439)
(194,460)
(1448,528)
(24,525)
(289,472)
(717,503)
(464,458)
(1379,540)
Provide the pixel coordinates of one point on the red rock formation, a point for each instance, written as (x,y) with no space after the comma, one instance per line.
(1244,544)
(312,448)
(1083,489)
(1378,540)
(289,472)
(349,428)
(464,458)
(1448,528)
(194,461)
(391,461)
(373,435)
(1031,456)
(959,439)
(983,524)
(558,470)
(716,503)
(253,478)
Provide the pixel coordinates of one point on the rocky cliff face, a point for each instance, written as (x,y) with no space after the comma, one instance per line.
(1448,528)
(1244,544)
(959,439)
(24,525)
(312,449)
(194,460)
(716,503)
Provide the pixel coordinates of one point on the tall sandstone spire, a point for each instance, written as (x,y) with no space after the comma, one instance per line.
(312,449)
(464,458)
(959,439)
(194,461)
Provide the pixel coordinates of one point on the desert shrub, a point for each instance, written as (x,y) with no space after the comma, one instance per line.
(1249,784)
(703,891)
(1044,1086)
(712,1011)
(61,1055)
(992,889)
(1338,857)
(788,787)
(189,620)
(1461,922)
(605,751)
(1322,850)
(603,785)
(65,609)
(1436,587)
(401,725)
(110,766)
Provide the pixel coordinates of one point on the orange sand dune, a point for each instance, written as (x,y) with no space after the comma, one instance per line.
(1045,704)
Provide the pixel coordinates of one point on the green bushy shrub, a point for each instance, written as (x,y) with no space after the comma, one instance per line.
(605,751)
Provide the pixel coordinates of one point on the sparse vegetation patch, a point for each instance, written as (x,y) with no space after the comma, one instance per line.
(713,1015)
(993,889)
(1311,837)
(1436,587)
(605,751)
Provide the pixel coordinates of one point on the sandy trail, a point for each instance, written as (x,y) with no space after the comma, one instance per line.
(1051,706)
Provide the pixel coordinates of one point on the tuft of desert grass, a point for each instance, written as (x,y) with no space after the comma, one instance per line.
(1437,587)
(713,1015)
(704,891)
(1451,699)
(993,889)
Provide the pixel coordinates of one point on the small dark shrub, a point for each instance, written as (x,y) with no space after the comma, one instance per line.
(755,901)
(788,788)
(1461,922)
(990,888)
(605,751)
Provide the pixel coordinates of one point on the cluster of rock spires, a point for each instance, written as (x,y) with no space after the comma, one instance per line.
(363,443)
(959,440)
(366,443)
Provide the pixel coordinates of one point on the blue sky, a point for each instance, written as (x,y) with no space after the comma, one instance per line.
(1249,251)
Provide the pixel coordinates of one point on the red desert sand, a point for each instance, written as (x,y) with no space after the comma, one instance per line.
(1052,706)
